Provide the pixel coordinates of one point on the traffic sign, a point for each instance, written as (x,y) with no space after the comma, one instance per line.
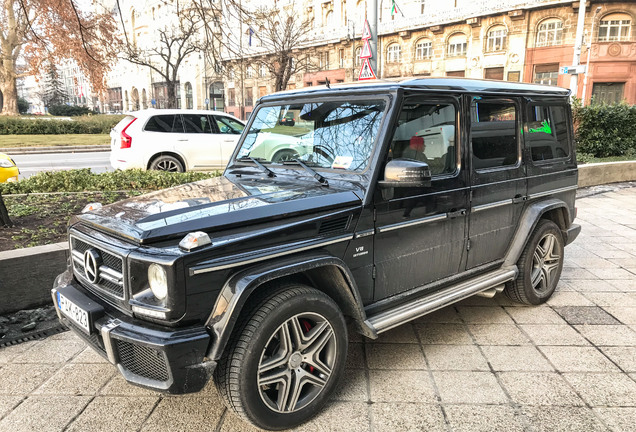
(572,70)
(366,73)
(207,101)
(366,31)
(365,53)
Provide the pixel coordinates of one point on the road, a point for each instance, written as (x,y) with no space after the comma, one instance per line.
(30,164)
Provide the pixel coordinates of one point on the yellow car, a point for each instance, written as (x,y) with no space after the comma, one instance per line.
(8,171)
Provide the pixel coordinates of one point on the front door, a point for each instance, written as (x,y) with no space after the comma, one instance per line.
(498,178)
(420,232)
(203,146)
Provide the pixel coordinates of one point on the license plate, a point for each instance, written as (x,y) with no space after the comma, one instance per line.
(75,313)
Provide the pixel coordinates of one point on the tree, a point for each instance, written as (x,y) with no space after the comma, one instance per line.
(5,221)
(23,105)
(172,45)
(53,92)
(34,33)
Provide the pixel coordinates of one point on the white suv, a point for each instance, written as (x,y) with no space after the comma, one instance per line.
(174,140)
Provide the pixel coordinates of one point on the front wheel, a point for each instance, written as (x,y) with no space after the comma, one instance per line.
(539,266)
(285,358)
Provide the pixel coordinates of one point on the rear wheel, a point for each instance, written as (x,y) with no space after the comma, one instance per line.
(285,358)
(539,266)
(284,155)
(167,163)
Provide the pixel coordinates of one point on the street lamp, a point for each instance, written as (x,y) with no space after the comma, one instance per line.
(589,54)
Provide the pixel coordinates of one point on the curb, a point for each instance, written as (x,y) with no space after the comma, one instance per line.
(22,288)
(58,149)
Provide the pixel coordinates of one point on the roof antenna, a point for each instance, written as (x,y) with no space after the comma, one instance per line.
(327,81)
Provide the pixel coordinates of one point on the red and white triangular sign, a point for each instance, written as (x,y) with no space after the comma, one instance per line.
(365,53)
(366,73)
(366,31)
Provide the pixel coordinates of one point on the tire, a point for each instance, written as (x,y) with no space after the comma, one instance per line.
(284,155)
(271,374)
(167,163)
(539,266)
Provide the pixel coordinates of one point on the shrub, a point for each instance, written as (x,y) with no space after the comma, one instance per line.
(606,130)
(23,105)
(97,124)
(84,180)
(69,110)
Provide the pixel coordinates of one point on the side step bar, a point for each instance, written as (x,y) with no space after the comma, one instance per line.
(408,311)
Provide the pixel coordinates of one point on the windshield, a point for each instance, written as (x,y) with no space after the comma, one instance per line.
(334,135)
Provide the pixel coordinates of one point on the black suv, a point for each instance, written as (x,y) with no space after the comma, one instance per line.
(401,199)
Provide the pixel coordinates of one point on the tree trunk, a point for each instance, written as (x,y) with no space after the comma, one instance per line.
(172,95)
(5,221)
(9,94)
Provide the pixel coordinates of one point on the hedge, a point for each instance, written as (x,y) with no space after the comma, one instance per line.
(606,130)
(98,124)
(81,180)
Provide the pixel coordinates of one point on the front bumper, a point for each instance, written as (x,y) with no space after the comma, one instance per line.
(572,233)
(171,361)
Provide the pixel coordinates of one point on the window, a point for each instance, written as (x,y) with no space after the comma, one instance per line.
(426,132)
(329,19)
(614,27)
(262,91)
(249,99)
(549,33)
(514,76)
(494,73)
(262,70)
(423,50)
(393,53)
(608,93)
(422,6)
(547,132)
(249,72)
(496,40)
(164,123)
(196,123)
(457,45)
(494,134)
(324,61)
(546,74)
(358,60)
(231,95)
(341,58)
(189,99)
(459,74)
(227,125)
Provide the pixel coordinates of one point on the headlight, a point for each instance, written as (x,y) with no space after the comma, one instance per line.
(6,163)
(158,280)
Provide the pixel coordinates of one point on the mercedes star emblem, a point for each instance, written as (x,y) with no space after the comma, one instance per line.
(92,261)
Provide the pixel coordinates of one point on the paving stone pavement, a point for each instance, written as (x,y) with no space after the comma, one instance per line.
(480,365)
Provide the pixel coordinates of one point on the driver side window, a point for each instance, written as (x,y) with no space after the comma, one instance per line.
(426,132)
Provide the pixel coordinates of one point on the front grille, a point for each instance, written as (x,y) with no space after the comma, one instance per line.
(111,279)
(143,361)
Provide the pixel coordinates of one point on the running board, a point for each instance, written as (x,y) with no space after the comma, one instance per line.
(408,311)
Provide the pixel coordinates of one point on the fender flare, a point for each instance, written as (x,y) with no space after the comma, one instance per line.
(528,221)
(240,286)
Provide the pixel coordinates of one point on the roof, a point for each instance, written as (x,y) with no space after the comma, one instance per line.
(461,85)
(159,111)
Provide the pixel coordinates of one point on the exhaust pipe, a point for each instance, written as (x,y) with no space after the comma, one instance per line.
(490,293)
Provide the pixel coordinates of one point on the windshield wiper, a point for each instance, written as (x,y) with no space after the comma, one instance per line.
(323,181)
(256,162)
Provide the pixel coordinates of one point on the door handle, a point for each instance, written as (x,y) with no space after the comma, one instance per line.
(456,213)
(519,198)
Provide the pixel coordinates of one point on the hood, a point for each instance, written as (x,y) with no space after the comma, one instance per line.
(215,204)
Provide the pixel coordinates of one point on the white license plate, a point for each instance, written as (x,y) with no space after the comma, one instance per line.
(78,315)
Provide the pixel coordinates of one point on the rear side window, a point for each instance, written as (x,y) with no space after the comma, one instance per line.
(165,123)
(197,123)
(547,132)
(494,134)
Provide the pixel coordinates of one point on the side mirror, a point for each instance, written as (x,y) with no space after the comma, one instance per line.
(400,173)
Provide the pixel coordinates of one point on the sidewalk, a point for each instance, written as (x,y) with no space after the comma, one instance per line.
(480,365)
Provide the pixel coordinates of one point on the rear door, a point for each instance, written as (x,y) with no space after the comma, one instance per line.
(164,132)
(498,188)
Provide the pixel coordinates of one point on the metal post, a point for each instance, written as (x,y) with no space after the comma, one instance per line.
(578,41)
(372,17)
(589,54)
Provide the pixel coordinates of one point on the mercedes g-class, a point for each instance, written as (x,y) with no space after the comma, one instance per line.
(392,200)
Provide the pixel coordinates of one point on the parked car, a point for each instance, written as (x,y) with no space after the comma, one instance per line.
(250,276)
(8,169)
(174,140)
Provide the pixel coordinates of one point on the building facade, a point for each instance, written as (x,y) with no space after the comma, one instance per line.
(514,40)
